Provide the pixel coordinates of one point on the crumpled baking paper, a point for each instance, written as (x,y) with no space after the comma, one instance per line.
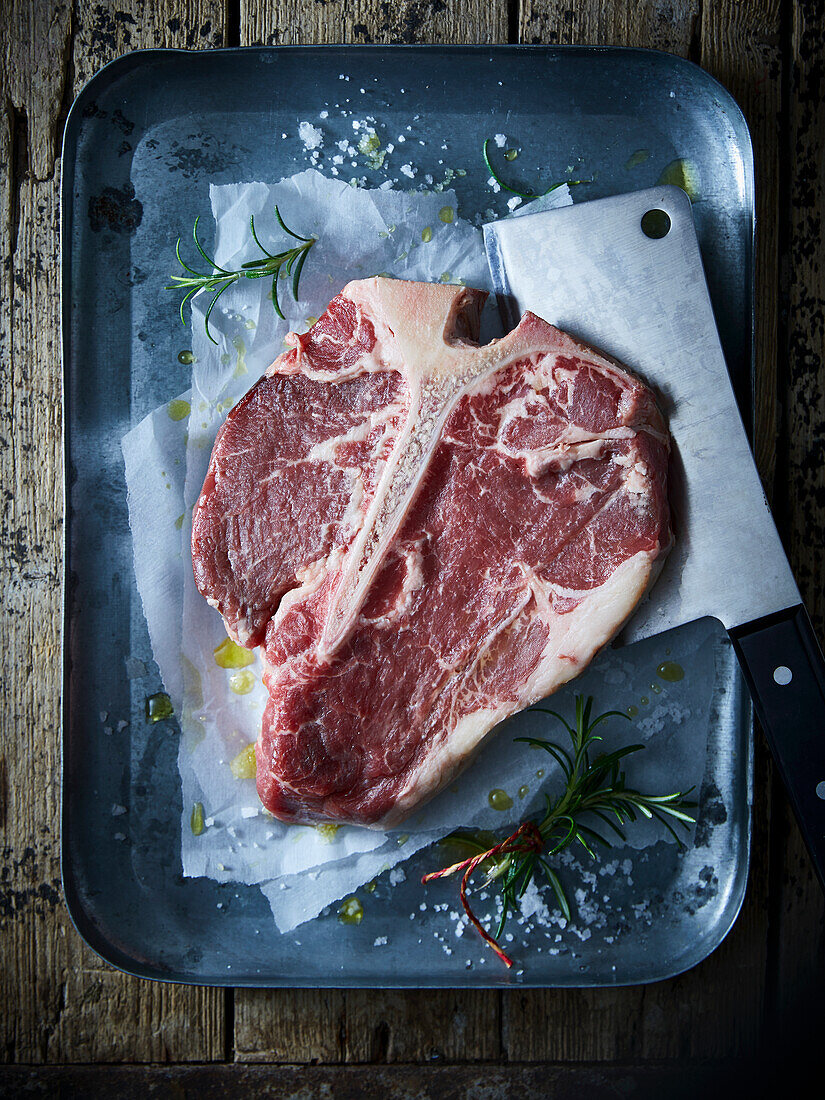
(301,869)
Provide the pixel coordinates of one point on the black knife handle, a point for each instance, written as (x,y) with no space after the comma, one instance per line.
(785,671)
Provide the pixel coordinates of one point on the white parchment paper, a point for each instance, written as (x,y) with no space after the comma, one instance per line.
(302,869)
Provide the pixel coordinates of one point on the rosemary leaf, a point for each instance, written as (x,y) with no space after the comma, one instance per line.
(594,787)
(219,279)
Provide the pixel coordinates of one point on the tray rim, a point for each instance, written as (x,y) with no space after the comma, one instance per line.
(106,77)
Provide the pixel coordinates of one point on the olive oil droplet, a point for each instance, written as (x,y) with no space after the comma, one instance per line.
(644,700)
(196,821)
(671,672)
(186,358)
(511,154)
(158,707)
(499,799)
(242,682)
(240,365)
(540,774)
(244,766)
(177,410)
(632,711)
(328,831)
(351,911)
(656,689)
(426,234)
(230,655)
(682,173)
(446,214)
(523,791)
(637,158)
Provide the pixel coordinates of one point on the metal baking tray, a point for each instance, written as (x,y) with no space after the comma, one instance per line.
(143,142)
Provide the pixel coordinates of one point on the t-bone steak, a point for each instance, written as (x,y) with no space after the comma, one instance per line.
(423,536)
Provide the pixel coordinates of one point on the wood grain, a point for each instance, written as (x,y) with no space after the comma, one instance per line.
(386,1082)
(60,1001)
(741,47)
(662,26)
(800,931)
(295,22)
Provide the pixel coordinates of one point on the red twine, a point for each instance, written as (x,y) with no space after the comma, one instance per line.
(526,838)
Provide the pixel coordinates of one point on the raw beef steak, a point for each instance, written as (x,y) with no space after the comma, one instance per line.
(424,536)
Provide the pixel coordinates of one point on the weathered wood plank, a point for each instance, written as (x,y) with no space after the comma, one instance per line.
(379,1026)
(800,934)
(295,22)
(741,47)
(426,1026)
(670,27)
(286,1025)
(60,1002)
(387,1082)
(105,30)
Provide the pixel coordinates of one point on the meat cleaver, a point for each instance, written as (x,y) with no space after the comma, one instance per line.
(625,274)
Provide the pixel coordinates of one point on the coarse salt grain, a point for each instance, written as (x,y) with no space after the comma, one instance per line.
(311,136)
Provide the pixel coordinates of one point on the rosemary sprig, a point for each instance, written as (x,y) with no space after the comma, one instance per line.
(523,194)
(595,787)
(291,260)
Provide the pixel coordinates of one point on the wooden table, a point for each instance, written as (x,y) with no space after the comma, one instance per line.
(71,1023)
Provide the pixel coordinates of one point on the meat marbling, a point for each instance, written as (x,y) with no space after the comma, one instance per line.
(423,536)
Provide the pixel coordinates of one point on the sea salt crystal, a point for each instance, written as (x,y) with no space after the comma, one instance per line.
(493,182)
(380,941)
(397,875)
(533,906)
(500,140)
(324,114)
(514,202)
(209,822)
(118,810)
(311,136)
(249,811)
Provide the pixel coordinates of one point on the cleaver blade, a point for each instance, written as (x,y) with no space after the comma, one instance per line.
(640,295)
